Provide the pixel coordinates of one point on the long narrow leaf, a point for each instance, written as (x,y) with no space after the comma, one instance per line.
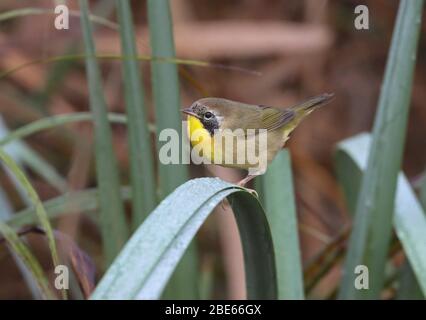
(40,166)
(408,286)
(113,221)
(39,209)
(23,154)
(409,219)
(141,160)
(165,85)
(371,234)
(148,259)
(423,192)
(56,121)
(28,260)
(166,96)
(281,213)
(15,152)
(76,57)
(69,203)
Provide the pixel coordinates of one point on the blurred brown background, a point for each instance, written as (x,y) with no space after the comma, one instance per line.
(300,49)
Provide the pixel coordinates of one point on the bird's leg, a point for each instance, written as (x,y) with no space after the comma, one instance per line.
(244,181)
(225,203)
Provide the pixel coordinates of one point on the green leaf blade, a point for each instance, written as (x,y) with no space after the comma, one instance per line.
(141,160)
(148,259)
(113,222)
(409,219)
(371,234)
(281,212)
(165,85)
(38,208)
(33,196)
(27,258)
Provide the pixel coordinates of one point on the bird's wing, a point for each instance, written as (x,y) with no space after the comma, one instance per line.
(257,117)
(272,118)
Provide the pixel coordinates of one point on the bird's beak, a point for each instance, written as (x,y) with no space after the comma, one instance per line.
(189,112)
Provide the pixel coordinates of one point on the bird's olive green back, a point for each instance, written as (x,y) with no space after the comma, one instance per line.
(248,116)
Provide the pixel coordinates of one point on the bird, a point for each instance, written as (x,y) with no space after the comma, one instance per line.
(210,119)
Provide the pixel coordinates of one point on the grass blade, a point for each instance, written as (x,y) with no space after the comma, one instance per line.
(34,161)
(22,153)
(371,234)
(408,287)
(141,160)
(329,256)
(113,57)
(6,207)
(15,152)
(56,121)
(423,192)
(28,260)
(179,216)
(6,212)
(69,203)
(409,219)
(113,221)
(165,85)
(39,209)
(281,212)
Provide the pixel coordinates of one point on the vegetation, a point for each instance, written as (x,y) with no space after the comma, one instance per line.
(155,252)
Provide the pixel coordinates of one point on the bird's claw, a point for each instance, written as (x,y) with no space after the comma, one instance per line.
(224,204)
(252,191)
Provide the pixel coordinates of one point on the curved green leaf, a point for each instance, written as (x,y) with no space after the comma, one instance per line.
(39,209)
(28,260)
(23,154)
(148,259)
(370,238)
(42,167)
(58,120)
(409,219)
(408,286)
(55,121)
(69,203)
(75,57)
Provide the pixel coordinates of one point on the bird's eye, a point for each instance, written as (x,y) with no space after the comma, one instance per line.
(208,115)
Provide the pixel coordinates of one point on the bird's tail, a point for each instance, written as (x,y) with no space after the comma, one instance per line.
(301,110)
(311,104)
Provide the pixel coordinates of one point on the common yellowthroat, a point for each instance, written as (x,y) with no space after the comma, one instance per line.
(210,117)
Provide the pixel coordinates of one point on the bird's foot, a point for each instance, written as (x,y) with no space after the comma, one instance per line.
(224,204)
(244,181)
(252,191)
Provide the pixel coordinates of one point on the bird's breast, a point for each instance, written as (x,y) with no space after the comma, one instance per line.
(217,151)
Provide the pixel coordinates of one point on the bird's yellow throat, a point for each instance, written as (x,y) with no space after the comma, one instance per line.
(200,137)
